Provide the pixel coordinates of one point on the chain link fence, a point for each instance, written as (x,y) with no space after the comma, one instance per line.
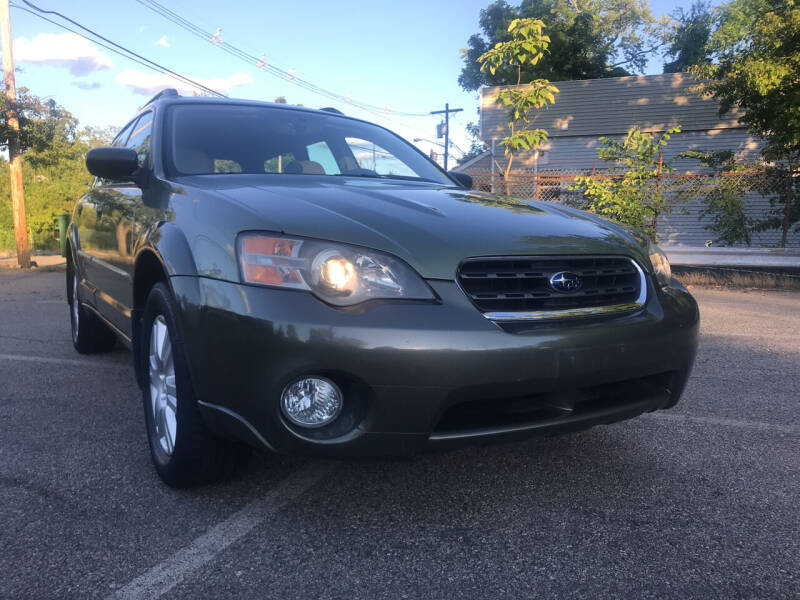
(737,207)
(557,186)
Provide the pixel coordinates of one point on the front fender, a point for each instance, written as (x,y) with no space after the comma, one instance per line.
(170,245)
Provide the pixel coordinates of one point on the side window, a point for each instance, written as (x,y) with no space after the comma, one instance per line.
(122,136)
(277,163)
(140,138)
(374,158)
(321,153)
(120,140)
(223,165)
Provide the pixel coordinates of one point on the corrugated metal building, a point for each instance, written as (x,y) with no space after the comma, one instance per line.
(586,110)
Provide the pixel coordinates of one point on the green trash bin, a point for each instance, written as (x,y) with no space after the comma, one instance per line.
(63,222)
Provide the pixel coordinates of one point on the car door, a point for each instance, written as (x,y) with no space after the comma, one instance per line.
(112,252)
(87,218)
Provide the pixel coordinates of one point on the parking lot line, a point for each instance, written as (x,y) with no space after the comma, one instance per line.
(170,572)
(758,425)
(63,361)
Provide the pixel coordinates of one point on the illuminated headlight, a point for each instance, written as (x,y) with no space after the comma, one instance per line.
(311,402)
(661,267)
(337,273)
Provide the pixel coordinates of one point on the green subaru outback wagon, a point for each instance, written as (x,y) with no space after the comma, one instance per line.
(303,282)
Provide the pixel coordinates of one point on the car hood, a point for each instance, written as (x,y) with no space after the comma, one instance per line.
(431,227)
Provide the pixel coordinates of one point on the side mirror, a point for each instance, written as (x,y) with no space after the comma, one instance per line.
(112,162)
(462,179)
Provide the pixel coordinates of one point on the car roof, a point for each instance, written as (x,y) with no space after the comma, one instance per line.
(171,96)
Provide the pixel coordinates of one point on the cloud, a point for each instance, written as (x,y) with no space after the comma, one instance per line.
(148,84)
(87,85)
(67,50)
(162,41)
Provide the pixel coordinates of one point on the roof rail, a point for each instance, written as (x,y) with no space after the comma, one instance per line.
(330,109)
(171,92)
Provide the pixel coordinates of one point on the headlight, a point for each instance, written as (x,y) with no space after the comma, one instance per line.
(660,264)
(336,273)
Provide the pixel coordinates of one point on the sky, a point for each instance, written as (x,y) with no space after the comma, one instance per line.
(400,57)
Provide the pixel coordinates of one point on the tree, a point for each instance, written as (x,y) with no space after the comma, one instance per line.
(54,173)
(40,122)
(477,147)
(755,48)
(688,45)
(527,46)
(637,196)
(588,39)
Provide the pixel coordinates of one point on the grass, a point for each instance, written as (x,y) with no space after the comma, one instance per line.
(737,278)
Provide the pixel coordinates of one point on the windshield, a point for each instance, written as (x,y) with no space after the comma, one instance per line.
(225,138)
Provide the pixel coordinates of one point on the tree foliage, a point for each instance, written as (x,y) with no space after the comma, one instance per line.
(689,39)
(527,46)
(635,196)
(477,147)
(54,173)
(755,49)
(588,39)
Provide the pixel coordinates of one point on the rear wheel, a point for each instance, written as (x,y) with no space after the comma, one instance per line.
(184,451)
(89,334)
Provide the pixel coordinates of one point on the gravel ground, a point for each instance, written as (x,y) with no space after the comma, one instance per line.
(697,502)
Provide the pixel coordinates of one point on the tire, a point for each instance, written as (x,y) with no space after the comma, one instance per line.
(89,334)
(185,453)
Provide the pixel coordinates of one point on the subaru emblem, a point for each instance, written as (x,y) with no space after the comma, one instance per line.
(565,282)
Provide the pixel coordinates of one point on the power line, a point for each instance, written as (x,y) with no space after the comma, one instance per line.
(109,48)
(270,69)
(120,50)
(152,64)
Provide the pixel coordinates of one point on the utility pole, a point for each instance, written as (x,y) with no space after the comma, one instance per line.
(14,158)
(447,110)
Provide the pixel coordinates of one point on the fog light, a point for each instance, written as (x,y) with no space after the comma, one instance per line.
(311,401)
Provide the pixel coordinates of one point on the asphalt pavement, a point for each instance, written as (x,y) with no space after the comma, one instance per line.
(702,501)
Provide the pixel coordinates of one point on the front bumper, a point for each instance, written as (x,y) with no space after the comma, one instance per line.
(417,376)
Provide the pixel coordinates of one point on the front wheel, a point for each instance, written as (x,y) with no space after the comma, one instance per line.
(184,451)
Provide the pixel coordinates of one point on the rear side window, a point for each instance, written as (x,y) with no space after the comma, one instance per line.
(321,154)
(277,163)
(140,138)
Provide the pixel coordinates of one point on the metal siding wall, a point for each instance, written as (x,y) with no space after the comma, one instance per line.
(596,107)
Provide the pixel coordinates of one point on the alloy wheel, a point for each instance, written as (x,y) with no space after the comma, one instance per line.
(163,396)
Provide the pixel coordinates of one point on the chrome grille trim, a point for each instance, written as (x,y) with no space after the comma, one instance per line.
(592,311)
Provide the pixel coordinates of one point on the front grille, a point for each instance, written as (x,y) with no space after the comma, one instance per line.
(522,284)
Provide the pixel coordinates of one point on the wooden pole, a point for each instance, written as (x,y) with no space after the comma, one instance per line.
(14,158)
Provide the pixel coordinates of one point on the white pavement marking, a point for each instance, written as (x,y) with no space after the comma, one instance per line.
(759,425)
(63,361)
(170,572)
